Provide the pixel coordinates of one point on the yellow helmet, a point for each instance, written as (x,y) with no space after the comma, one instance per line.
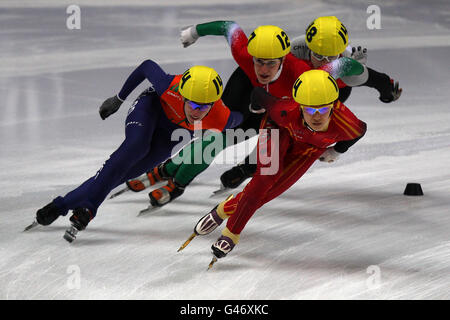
(315,88)
(327,36)
(268,42)
(201,84)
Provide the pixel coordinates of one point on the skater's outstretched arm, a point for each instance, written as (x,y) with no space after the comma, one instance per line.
(388,88)
(190,34)
(149,70)
(234,34)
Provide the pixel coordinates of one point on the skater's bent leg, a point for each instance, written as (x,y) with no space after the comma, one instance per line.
(160,150)
(255,192)
(252,197)
(140,124)
(295,166)
(299,164)
(198,157)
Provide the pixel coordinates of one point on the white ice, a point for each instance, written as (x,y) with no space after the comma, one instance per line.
(344,231)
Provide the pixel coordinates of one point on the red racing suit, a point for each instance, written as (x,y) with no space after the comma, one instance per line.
(298,146)
(292,67)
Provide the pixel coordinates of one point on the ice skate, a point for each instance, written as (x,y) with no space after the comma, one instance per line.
(45,216)
(234,177)
(162,196)
(166,194)
(31,226)
(80,219)
(149,209)
(144,181)
(207,224)
(221,248)
(220,191)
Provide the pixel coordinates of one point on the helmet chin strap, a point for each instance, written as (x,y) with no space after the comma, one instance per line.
(277,75)
(307,126)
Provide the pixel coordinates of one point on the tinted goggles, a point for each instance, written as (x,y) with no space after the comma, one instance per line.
(313,110)
(199,106)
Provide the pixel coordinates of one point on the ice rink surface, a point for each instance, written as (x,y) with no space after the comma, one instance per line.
(344,231)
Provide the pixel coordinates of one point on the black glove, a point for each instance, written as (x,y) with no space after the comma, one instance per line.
(389,91)
(110,106)
(392,94)
(261,100)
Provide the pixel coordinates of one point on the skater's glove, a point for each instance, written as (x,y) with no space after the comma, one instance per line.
(330,155)
(110,106)
(188,35)
(256,108)
(261,100)
(271,125)
(393,94)
(359,54)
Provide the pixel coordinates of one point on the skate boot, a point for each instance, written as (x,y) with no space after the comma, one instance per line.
(80,219)
(166,194)
(226,242)
(234,177)
(148,179)
(208,223)
(48,214)
(222,246)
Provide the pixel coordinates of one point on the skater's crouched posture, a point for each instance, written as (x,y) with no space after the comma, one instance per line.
(265,61)
(173,102)
(308,127)
(325,40)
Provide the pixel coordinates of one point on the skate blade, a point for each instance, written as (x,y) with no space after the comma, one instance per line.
(31,226)
(184,245)
(214,260)
(118,193)
(126,189)
(220,191)
(148,210)
(68,238)
(70,234)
